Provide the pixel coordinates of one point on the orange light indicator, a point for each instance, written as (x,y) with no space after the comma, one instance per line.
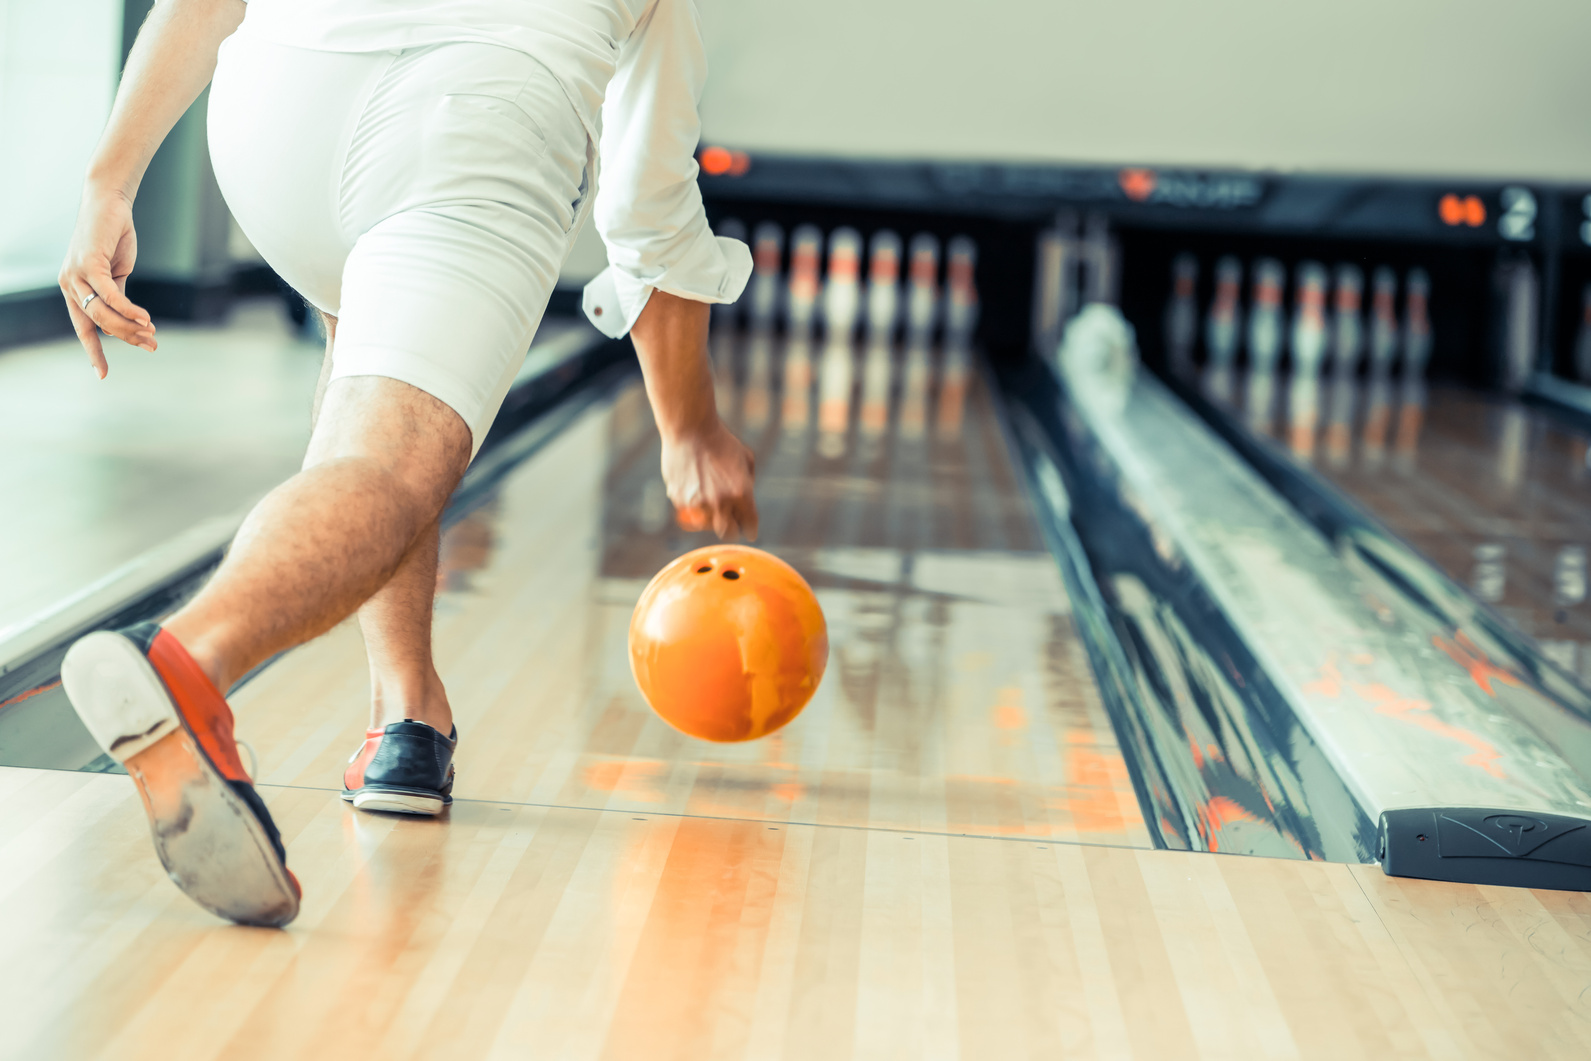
(1137,184)
(1458,210)
(722,162)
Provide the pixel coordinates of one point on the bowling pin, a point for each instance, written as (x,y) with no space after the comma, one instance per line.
(1347,324)
(961,317)
(1265,316)
(961,310)
(801,298)
(1182,314)
(1582,343)
(1383,320)
(1309,319)
(1265,330)
(767,248)
(1416,325)
(1049,296)
(883,286)
(842,292)
(842,298)
(1221,330)
(1309,353)
(922,294)
(1347,343)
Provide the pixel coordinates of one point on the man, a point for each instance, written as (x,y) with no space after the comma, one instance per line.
(416,169)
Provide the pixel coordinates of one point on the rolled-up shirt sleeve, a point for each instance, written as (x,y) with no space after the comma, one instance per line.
(648,208)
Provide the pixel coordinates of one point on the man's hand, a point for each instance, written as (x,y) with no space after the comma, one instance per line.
(709,479)
(98,260)
(169,65)
(707,471)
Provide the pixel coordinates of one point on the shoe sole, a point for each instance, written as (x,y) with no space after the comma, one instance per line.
(209,840)
(395,801)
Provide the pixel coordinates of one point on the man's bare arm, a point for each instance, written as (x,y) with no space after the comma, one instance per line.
(171,62)
(708,472)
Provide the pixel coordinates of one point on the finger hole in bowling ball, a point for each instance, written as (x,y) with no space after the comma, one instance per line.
(704,569)
(731,575)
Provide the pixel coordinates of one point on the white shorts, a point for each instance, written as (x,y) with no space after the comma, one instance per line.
(426,198)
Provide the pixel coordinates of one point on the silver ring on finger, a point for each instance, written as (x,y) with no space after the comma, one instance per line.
(92,295)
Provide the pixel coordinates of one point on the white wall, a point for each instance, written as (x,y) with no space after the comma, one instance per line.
(59,61)
(1412,87)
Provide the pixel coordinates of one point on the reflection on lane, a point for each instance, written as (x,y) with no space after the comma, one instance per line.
(1494,492)
(958,699)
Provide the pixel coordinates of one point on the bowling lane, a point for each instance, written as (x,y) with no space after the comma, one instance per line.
(958,699)
(1496,492)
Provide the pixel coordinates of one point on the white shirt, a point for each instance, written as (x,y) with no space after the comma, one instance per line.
(634,70)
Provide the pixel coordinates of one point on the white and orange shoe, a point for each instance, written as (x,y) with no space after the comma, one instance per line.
(151,708)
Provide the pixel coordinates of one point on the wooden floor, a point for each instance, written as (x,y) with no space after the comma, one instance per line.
(942,857)
(1497,492)
(522,931)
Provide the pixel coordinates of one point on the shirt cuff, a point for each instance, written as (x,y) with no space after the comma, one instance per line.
(616,297)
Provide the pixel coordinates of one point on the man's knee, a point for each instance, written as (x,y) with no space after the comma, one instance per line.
(419,444)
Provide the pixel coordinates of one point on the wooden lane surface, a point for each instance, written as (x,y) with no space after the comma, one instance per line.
(515,931)
(957,699)
(1472,470)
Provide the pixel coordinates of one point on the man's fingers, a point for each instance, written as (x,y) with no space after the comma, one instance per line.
(112,293)
(88,335)
(135,332)
(108,309)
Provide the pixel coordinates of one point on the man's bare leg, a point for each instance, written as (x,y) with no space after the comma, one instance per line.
(383,460)
(396,621)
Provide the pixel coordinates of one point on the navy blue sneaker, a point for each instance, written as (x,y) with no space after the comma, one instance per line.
(406,768)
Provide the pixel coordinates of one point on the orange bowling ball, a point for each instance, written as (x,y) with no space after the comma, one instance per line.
(728,643)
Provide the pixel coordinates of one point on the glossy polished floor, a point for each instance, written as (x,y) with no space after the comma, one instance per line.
(97,472)
(942,857)
(1496,492)
(957,699)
